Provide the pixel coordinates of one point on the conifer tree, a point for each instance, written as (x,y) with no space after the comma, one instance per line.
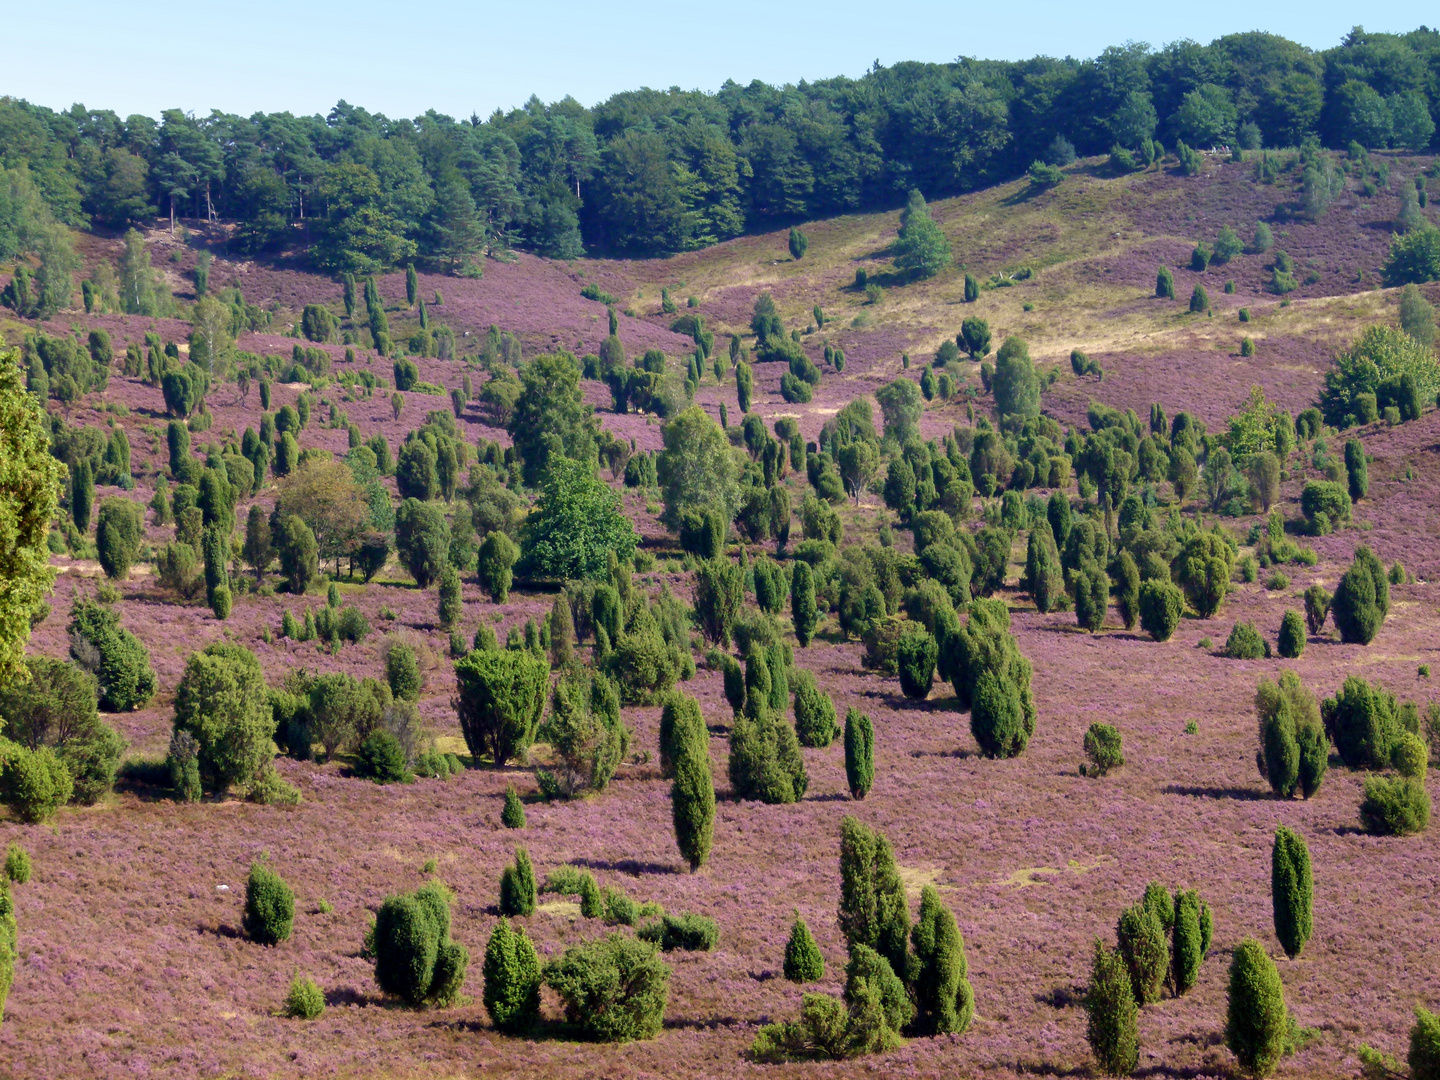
(1257,1024)
(412,284)
(517,886)
(945,1003)
(1165,284)
(972,289)
(1187,948)
(1113,1026)
(873,909)
(82,494)
(1291,890)
(859,753)
(744,385)
(803,961)
(1357,469)
(692,794)
(513,815)
(803,610)
(1142,943)
(512,979)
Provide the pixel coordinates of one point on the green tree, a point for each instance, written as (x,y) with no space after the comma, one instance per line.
(874,912)
(495,565)
(696,469)
(1257,1024)
(804,962)
(974,337)
(719,598)
(299,554)
(269,905)
(1165,284)
(744,385)
(859,753)
(1015,383)
(119,529)
(512,979)
(221,702)
(517,886)
(614,987)
(1357,471)
(422,540)
(921,249)
(901,406)
(415,960)
(577,522)
(799,243)
(451,602)
(499,698)
(945,1003)
(1112,1028)
(551,418)
(1362,599)
(692,793)
(82,494)
(803,609)
(1291,890)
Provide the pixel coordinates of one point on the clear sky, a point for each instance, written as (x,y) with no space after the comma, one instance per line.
(458,58)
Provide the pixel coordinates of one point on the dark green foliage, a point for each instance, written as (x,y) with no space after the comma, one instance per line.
(915,656)
(1294,750)
(1362,599)
(815,723)
(513,814)
(690,933)
(1103,748)
(512,979)
(692,794)
(495,565)
(1424,1055)
(719,597)
(402,670)
(1291,890)
(972,289)
(803,961)
(765,759)
(1395,806)
(1092,596)
(450,597)
(499,698)
(1143,944)
(33,783)
(997,717)
(799,243)
(974,337)
(299,554)
(1113,1022)
(17,864)
(1187,943)
(1257,1024)
(874,912)
(1245,643)
(119,529)
(1292,635)
(82,494)
(1044,577)
(517,886)
(305,1001)
(859,753)
(1199,299)
(1165,284)
(126,679)
(871,975)
(614,989)
(1364,723)
(1317,607)
(269,906)
(803,610)
(945,1002)
(1357,470)
(415,960)
(381,758)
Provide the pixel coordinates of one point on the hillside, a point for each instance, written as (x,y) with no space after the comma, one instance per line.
(132,958)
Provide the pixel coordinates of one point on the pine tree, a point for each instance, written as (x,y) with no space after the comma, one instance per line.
(1113,1027)
(873,909)
(1141,938)
(1357,469)
(972,289)
(82,494)
(1165,284)
(944,1001)
(1187,946)
(517,886)
(859,753)
(1291,890)
(803,961)
(1257,1024)
(513,815)
(744,385)
(412,284)
(512,979)
(692,794)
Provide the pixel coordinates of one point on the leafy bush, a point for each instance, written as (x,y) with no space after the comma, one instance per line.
(826,1030)
(1294,750)
(222,704)
(803,960)
(945,1002)
(269,906)
(1160,606)
(305,1001)
(17,864)
(415,960)
(692,933)
(517,886)
(859,753)
(1395,806)
(915,659)
(1142,943)
(512,979)
(613,989)
(1257,1024)
(585,732)
(1292,635)
(33,783)
(499,698)
(765,759)
(381,758)
(1245,643)
(1112,1025)
(815,723)
(126,679)
(1103,748)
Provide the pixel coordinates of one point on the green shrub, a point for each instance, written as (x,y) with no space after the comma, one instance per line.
(692,794)
(915,655)
(1188,940)
(402,670)
(765,759)
(826,1030)
(1364,723)
(1161,604)
(1317,607)
(869,975)
(859,753)
(1409,755)
(999,720)
(415,960)
(1113,1025)
(1395,806)
(17,864)
(1245,643)
(1424,1056)
(1199,299)
(381,758)
(126,679)
(513,815)
(305,1001)
(512,979)
(613,989)
(499,699)
(269,906)
(1362,599)
(1142,942)
(1325,505)
(691,933)
(1257,1024)
(517,886)
(1294,750)
(815,723)
(1165,284)
(803,960)
(1292,635)
(1103,748)
(945,1002)
(33,783)
(1291,890)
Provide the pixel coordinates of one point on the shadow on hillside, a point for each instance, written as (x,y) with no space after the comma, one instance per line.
(219,930)
(959,752)
(1238,793)
(704,1025)
(1025,194)
(1062,997)
(633,867)
(348,995)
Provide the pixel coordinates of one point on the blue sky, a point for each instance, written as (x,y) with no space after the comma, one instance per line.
(459,58)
